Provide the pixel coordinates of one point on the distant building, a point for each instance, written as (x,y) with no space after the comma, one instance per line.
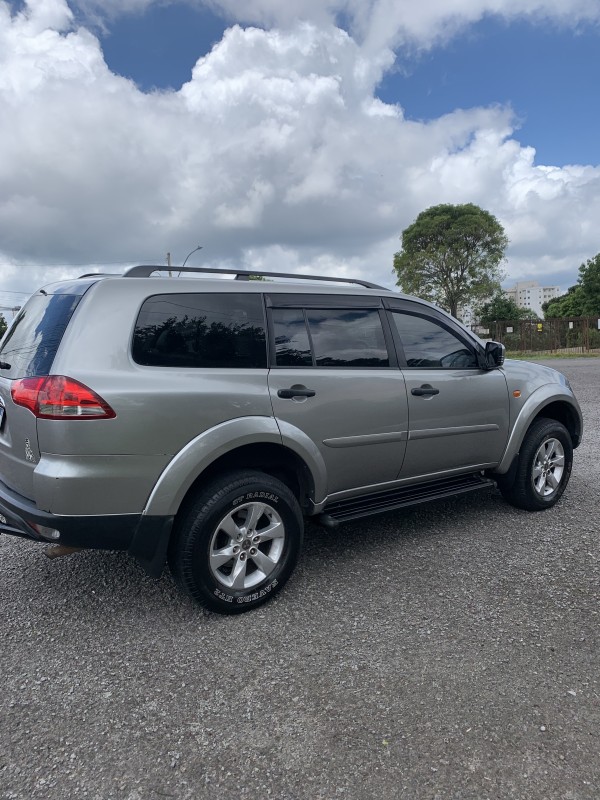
(530,295)
(525,294)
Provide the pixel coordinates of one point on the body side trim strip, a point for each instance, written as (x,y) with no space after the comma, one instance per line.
(365,439)
(434,433)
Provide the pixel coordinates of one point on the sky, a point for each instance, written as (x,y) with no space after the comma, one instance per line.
(301,136)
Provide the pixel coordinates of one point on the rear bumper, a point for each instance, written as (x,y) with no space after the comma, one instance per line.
(144,537)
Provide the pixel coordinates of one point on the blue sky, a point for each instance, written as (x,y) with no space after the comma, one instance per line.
(550,77)
(305,139)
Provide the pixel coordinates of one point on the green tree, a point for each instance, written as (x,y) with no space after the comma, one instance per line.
(566,305)
(451,255)
(582,299)
(589,284)
(501,308)
(3,325)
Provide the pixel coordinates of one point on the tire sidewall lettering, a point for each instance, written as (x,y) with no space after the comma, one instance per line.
(246,498)
(251,598)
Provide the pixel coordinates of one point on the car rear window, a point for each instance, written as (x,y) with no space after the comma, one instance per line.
(30,344)
(201,330)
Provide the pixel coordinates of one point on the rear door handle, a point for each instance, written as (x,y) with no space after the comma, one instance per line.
(424,391)
(295,391)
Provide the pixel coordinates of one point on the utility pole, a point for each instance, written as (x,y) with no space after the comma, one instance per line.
(169,264)
(14,309)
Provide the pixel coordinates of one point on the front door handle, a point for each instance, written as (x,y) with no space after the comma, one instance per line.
(295,391)
(426,390)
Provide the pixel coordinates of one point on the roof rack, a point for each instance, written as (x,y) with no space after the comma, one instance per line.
(146,270)
(98,275)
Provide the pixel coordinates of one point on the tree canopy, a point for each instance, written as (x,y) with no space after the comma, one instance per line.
(3,325)
(582,299)
(566,305)
(451,255)
(501,307)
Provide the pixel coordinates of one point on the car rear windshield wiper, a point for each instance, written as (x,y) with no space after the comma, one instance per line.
(4,365)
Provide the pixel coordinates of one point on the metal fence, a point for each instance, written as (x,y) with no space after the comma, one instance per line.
(557,335)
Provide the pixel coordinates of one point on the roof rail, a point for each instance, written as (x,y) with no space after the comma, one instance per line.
(146,270)
(98,275)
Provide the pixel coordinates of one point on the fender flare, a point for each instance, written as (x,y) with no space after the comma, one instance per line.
(199,453)
(296,440)
(535,403)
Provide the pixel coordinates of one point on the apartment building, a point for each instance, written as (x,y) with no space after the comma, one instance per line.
(530,295)
(526,294)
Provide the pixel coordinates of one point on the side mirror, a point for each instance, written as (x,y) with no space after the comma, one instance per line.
(494,354)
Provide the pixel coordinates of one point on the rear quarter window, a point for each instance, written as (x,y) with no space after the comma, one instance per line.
(31,343)
(201,330)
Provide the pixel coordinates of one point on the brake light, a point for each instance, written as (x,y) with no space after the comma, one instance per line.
(58,397)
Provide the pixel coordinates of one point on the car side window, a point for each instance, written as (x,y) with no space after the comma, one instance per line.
(348,338)
(201,330)
(342,337)
(429,345)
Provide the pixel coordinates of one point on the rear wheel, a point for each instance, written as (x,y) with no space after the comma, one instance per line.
(238,542)
(544,467)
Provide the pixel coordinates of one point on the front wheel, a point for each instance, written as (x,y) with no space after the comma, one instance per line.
(544,467)
(238,542)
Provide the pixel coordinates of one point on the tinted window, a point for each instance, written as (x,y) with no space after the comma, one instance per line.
(292,348)
(201,330)
(31,343)
(430,346)
(347,338)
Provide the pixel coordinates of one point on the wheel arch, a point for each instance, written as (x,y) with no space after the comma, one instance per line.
(274,459)
(245,443)
(543,403)
(564,413)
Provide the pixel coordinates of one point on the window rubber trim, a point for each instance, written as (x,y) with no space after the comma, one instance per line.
(322,301)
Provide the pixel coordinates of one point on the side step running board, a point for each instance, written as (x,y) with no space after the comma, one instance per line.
(379,502)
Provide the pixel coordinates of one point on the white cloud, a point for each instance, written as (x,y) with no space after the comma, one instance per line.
(390,22)
(276,153)
(374,23)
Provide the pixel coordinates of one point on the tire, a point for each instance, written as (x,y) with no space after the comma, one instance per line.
(221,564)
(544,467)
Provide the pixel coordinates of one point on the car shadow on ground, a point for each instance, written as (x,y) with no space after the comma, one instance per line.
(114,580)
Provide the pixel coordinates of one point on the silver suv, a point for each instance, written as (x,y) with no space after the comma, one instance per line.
(199,421)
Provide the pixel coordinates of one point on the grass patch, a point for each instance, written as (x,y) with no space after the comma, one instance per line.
(544,354)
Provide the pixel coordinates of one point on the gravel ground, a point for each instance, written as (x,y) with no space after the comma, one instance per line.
(445,652)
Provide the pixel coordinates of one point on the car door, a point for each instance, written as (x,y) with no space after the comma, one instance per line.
(458,412)
(334,378)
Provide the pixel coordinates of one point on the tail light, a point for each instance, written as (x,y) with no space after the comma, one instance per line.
(58,397)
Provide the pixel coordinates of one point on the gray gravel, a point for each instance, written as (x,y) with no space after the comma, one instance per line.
(445,652)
